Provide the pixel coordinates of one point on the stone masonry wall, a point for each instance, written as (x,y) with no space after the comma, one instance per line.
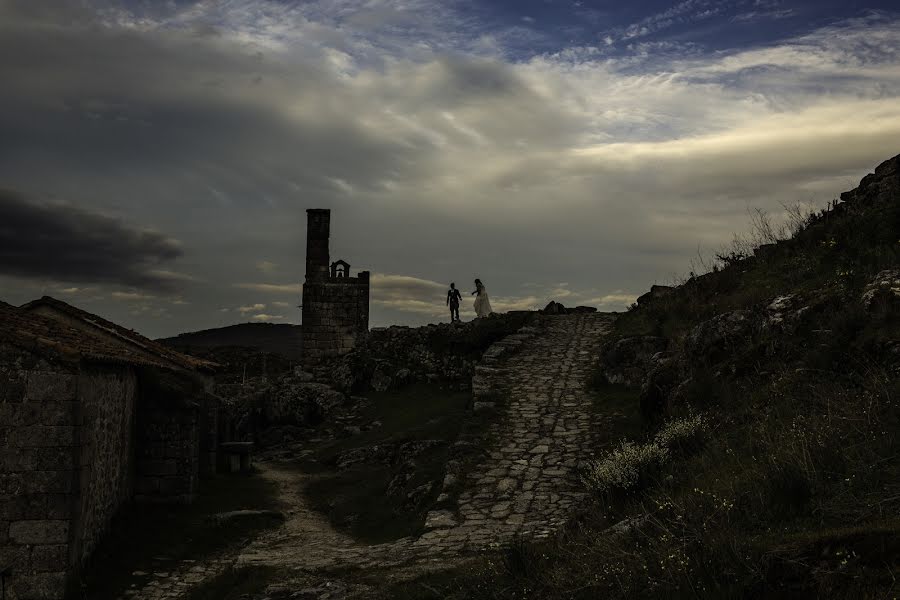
(64,466)
(38,437)
(168,453)
(107,405)
(335,316)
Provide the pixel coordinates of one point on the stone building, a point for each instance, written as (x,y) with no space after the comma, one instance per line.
(335,305)
(201,372)
(88,422)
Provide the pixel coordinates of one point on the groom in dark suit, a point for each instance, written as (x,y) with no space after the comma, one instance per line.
(453,300)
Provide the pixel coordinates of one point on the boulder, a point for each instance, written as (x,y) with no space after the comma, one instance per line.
(302,403)
(301,375)
(884,183)
(656,391)
(375,454)
(582,310)
(554,308)
(656,291)
(352,372)
(387,454)
(382,377)
(883,290)
(783,313)
(630,359)
(711,340)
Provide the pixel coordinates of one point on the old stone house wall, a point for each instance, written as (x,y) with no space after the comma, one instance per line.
(37,472)
(65,464)
(168,453)
(107,400)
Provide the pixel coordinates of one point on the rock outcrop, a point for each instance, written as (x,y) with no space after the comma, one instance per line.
(393,357)
(556,308)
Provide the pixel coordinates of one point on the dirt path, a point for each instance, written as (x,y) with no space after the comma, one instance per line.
(526,487)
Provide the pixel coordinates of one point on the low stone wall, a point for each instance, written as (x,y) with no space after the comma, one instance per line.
(490,386)
(418,350)
(391,357)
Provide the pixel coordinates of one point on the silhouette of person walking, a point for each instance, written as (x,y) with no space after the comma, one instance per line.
(482,303)
(453,300)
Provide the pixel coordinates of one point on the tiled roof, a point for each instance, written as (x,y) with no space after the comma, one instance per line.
(44,335)
(127,336)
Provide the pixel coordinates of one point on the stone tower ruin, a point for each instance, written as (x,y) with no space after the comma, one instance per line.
(335,305)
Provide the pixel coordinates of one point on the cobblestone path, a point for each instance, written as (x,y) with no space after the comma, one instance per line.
(526,486)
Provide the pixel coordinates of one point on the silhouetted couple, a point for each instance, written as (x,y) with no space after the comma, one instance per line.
(482,303)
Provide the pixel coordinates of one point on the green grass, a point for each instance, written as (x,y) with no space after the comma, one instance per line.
(151,538)
(355,498)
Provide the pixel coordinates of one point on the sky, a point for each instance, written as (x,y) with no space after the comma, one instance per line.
(157,157)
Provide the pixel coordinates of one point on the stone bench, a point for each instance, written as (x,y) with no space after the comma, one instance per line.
(237,456)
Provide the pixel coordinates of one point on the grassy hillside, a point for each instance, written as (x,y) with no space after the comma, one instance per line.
(769,461)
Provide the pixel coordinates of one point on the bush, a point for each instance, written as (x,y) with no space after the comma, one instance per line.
(625,467)
(629,466)
(684,434)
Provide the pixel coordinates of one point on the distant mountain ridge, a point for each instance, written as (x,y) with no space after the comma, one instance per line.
(277,338)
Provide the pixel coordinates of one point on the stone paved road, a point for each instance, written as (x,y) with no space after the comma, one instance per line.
(525,487)
(529,483)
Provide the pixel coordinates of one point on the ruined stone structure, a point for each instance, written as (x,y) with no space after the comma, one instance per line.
(335,305)
(87,423)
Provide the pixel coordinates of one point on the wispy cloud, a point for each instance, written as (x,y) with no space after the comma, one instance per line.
(132,296)
(266,266)
(251,308)
(428,298)
(688,11)
(264,318)
(272,288)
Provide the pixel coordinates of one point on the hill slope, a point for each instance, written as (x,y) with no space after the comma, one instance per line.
(769,465)
(283,339)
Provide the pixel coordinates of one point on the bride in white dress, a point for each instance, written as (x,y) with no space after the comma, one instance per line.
(482,303)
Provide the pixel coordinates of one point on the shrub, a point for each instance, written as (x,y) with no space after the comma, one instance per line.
(629,465)
(625,467)
(685,433)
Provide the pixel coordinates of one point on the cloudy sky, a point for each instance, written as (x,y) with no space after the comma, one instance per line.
(157,158)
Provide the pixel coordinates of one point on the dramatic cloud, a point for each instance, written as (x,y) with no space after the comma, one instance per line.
(449,143)
(61,242)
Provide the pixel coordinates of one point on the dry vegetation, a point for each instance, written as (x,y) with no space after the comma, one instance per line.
(775,469)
